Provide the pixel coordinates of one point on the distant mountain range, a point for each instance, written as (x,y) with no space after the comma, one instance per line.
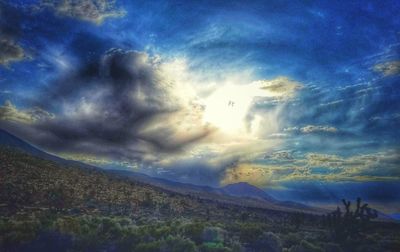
(242,191)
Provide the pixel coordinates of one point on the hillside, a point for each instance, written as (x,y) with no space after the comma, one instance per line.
(46,206)
(244,189)
(31,182)
(10,141)
(237,194)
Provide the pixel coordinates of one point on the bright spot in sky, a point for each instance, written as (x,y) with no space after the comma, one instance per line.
(228,106)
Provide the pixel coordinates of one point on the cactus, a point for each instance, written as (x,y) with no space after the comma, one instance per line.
(351,223)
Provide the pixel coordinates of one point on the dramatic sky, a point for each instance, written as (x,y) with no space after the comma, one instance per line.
(301,98)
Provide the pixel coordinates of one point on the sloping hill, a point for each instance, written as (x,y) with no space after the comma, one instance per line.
(10,141)
(36,184)
(244,189)
(241,194)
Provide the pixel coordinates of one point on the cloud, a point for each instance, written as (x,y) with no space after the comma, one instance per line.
(280,156)
(8,112)
(388,68)
(120,106)
(317,128)
(95,11)
(284,166)
(126,106)
(257,175)
(312,129)
(10,51)
(281,87)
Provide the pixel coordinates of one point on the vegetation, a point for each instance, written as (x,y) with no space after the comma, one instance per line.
(47,207)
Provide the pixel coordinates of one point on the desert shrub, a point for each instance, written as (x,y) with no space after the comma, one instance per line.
(194,231)
(351,223)
(109,229)
(213,247)
(236,247)
(268,242)
(214,234)
(162,232)
(129,239)
(179,244)
(249,233)
(148,200)
(18,231)
(154,246)
(170,244)
(291,239)
(48,241)
(332,247)
(305,246)
(71,225)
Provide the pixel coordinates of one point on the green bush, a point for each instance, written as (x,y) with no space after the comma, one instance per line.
(249,233)
(291,239)
(268,242)
(179,244)
(213,247)
(154,246)
(194,231)
(213,234)
(305,246)
(170,244)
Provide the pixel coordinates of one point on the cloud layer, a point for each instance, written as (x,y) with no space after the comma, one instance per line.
(95,11)
(388,68)
(10,51)
(120,106)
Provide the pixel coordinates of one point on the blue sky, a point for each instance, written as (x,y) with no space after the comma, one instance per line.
(281,94)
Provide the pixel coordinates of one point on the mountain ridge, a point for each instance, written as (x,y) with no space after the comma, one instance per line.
(247,190)
(242,190)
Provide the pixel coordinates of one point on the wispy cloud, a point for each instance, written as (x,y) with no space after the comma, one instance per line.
(388,68)
(281,87)
(284,166)
(8,112)
(95,11)
(312,129)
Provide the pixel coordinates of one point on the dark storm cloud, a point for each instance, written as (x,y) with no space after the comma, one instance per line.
(103,108)
(10,50)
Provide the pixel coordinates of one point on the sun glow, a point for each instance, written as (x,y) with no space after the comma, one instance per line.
(228,106)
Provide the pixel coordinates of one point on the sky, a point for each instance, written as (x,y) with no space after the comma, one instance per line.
(300,98)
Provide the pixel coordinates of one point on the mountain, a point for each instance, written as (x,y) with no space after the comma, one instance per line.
(168,184)
(11,141)
(240,193)
(244,189)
